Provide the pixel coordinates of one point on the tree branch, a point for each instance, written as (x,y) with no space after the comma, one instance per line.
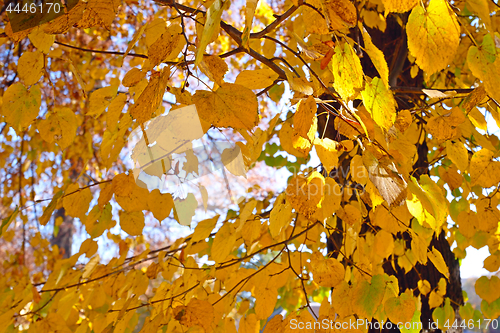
(103,52)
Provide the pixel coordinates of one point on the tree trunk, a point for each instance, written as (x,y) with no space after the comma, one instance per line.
(392,42)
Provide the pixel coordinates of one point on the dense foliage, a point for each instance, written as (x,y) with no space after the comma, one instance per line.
(113,111)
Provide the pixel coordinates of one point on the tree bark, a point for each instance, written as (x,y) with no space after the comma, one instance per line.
(393,44)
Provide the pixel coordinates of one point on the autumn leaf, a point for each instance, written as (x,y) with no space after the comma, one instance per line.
(256,79)
(399,6)
(76,201)
(31,66)
(433,35)
(379,101)
(151,97)
(305,193)
(488,288)
(305,121)
(214,68)
(160,204)
(376,56)
(347,71)
(196,313)
(483,62)
(280,215)
(484,171)
(400,309)
(20,106)
(132,222)
(60,127)
(231,105)
(166,46)
(339,13)
(327,272)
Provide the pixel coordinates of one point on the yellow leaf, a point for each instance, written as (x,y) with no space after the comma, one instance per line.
(133,76)
(327,272)
(151,98)
(30,67)
(383,244)
(347,71)
(135,38)
(327,153)
(380,102)
(160,204)
(99,13)
(212,23)
(467,223)
(384,175)
(136,201)
(64,22)
(481,8)
(451,176)
(304,120)
(477,119)
(76,201)
(249,324)
(435,300)
(165,47)
(115,111)
(488,288)
(358,171)
(223,243)
(281,215)
(256,79)
(292,142)
(49,209)
(275,325)
(433,35)
(265,300)
(332,197)
(400,309)
(90,267)
(398,6)
(185,209)
(437,260)
(100,99)
(60,127)
(445,126)
(316,22)
(231,105)
(339,13)
(457,153)
(485,65)
(21,106)
(250,7)
(349,214)
(299,84)
(132,222)
(403,120)
(377,57)
(203,229)
(484,171)
(306,193)
(196,313)
(123,184)
(443,315)
(42,41)
(424,287)
(214,68)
